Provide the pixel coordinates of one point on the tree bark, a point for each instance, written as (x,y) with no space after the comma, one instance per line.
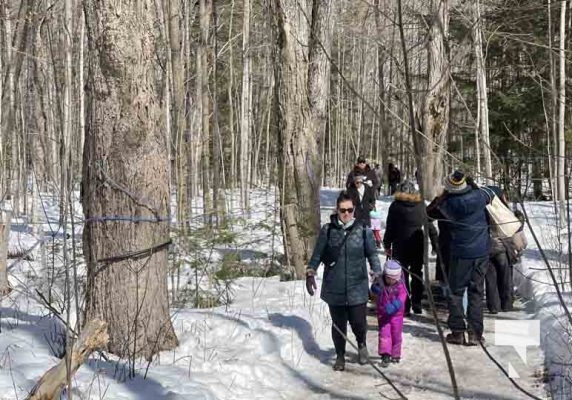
(302,94)
(245,110)
(561,154)
(125,173)
(5,218)
(430,146)
(482,96)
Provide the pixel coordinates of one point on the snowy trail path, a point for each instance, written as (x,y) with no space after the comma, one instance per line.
(272,342)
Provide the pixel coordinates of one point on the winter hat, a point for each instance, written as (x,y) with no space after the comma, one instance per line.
(407,187)
(456,182)
(361,159)
(392,269)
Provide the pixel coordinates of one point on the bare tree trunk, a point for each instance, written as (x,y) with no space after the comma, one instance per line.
(5,217)
(551,122)
(303,89)
(230,95)
(203,59)
(435,115)
(245,109)
(125,173)
(561,154)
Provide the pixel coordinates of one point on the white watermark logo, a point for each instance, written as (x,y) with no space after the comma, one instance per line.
(518,334)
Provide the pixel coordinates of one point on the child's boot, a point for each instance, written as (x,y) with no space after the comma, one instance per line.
(385,360)
(395,360)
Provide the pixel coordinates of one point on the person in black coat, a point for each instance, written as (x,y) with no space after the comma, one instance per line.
(403,240)
(393,178)
(363,198)
(362,168)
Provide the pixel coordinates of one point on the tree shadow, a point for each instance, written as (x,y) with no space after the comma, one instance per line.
(304,331)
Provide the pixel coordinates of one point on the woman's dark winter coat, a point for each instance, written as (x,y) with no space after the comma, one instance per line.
(346,282)
(404,226)
(363,206)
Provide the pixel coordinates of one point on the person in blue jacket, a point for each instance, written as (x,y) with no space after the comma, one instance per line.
(345,246)
(463,205)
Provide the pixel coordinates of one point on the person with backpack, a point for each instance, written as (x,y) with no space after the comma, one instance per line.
(504,253)
(403,240)
(345,246)
(463,205)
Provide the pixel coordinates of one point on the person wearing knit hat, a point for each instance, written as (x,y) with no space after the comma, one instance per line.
(462,207)
(390,309)
(456,183)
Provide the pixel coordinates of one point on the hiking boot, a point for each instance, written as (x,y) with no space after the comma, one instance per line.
(363,355)
(340,363)
(395,360)
(474,340)
(417,309)
(456,338)
(385,360)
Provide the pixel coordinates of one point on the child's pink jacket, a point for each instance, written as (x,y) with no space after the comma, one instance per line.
(391,326)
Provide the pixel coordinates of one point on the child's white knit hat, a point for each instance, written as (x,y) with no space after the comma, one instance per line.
(392,269)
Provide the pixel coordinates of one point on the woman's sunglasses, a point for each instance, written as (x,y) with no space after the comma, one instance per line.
(346,210)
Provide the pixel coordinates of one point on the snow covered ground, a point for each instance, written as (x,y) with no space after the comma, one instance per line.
(273,341)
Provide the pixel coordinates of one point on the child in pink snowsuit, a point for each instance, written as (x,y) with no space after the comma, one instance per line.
(390,308)
(375,217)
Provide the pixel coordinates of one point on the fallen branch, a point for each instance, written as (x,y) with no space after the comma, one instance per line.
(52,382)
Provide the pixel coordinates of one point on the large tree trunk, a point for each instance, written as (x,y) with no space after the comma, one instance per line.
(435,118)
(303,89)
(125,174)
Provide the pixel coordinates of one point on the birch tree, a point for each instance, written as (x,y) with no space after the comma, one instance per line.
(304,33)
(245,109)
(482,97)
(125,173)
(561,145)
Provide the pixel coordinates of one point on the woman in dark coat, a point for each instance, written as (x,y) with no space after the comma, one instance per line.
(363,197)
(343,247)
(403,239)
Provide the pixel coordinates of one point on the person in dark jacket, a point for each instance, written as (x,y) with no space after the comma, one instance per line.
(403,240)
(443,242)
(362,168)
(363,198)
(393,178)
(463,205)
(343,246)
(379,176)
